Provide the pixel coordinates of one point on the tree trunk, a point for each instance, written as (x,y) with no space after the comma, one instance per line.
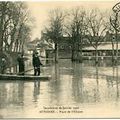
(117,82)
(56,53)
(1,32)
(96,55)
(80,56)
(113,52)
(116,19)
(72,56)
(80,51)
(116,47)
(73,53)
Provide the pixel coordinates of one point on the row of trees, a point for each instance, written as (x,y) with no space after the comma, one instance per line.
(14,26)
(78,24)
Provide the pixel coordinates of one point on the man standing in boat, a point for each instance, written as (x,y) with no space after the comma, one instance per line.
(36,63)
(21,64)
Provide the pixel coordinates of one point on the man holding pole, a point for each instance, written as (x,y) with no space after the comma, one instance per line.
(36,63)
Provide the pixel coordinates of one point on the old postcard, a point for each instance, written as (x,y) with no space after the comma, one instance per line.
(59,59)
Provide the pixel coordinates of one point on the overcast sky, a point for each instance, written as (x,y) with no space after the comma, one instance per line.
(39,10)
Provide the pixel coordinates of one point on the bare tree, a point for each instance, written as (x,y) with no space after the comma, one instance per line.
(96,29)
(3,12)
(76,30)
(21,26)
(14,29)
(55,30)
(14,18)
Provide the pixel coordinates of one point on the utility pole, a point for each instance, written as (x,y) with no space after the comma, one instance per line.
(116,35)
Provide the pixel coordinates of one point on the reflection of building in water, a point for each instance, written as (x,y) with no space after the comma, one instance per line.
(36,90)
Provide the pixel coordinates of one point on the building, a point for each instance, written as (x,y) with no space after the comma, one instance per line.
(44,48)
(104,50)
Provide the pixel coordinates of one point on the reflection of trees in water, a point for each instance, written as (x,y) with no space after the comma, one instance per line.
(80,92)
(96,90)
(36,91)
(113,83)
(21,92)
(94,96)
(77,82)
(57,73)
(55,97)
(117,82)
(12,93)
(55,85)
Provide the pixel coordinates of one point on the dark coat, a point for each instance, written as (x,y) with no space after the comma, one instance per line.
(21,64)
(36,61)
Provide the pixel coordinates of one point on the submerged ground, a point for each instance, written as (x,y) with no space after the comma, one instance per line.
(75,91)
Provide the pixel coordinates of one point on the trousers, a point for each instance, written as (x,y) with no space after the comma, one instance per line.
(36,71)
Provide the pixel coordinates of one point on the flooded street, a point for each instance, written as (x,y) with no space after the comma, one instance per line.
(94,89)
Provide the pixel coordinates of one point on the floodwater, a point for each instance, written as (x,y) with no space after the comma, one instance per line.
(75,90)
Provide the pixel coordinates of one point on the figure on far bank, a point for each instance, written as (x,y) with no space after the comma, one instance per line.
(21,64)
(3,65)
(36,63)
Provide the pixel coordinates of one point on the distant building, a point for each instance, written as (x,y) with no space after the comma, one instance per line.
(46,48)
(111,37)
(104,50)
(41,46)
(32,45)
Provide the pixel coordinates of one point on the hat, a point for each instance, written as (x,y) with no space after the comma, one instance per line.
(36,52)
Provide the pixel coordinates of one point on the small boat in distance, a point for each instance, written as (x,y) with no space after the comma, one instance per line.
(24,77)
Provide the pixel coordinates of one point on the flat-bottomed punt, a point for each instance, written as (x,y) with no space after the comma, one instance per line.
(24,77)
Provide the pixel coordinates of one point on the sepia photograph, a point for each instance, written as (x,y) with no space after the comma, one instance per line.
(59,59)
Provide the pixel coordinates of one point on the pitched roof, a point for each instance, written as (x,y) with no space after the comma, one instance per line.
(103,47)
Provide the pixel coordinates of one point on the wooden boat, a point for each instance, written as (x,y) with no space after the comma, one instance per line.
(24,77)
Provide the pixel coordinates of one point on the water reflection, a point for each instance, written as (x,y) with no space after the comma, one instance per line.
(55,93)
(57,74)
(82,89)
(17,93)
(11,94)
(113,83)
(71,84)
(3,95)
(36,91)
(77,82)
(117,82)
(97,94)
(55,85)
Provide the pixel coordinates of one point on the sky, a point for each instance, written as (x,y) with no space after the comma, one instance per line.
(39,10)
